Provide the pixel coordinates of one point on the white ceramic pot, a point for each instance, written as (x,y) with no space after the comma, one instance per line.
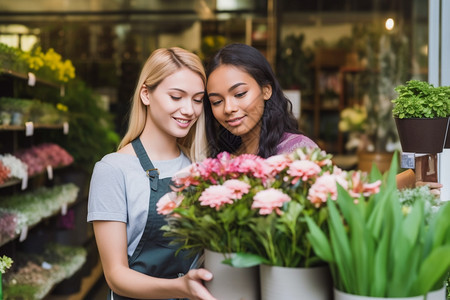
(434,295)
(230,283)
(295,283)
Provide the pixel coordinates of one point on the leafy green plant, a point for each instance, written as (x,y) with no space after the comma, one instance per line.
(5,263)
(91,134)
(420,99)
(375,248)
(293,64)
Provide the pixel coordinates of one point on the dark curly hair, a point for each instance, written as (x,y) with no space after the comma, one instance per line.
(277,117)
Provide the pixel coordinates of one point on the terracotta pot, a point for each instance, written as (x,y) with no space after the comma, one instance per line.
(422,135)
(381,159)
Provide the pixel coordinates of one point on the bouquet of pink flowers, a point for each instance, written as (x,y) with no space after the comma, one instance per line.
(256,207)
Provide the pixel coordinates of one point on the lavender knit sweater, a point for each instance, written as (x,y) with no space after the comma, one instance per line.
(291,141)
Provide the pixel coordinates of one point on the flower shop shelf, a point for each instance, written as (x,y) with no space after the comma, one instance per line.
(29,209)
(35,126)
(26,77)
(15,181)
(37,275)
(86,285)
(10,183)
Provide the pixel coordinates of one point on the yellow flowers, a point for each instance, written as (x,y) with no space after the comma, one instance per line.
(62,107)
(49,65)
(353,119)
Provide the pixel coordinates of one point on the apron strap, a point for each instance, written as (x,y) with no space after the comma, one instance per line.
(150,170)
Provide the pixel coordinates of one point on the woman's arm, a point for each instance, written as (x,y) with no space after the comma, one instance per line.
(112,245)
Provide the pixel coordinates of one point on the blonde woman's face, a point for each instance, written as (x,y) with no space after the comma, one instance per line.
(176,103)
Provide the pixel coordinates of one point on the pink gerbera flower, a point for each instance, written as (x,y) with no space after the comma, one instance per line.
(216,196)
(326,185)
(278,162)
(303,169)
(167,203)
(238,187)
(270,200)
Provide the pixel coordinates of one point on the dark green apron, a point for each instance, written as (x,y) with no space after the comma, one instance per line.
(153,255)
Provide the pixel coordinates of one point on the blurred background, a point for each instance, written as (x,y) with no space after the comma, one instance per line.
(324,49)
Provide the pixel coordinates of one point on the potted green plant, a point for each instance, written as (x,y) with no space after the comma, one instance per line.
(5,263)
(421,112)
(381,247)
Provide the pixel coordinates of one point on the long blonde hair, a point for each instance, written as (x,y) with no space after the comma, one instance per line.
(162,63)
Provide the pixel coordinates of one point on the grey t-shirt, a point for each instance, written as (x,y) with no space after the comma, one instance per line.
(120,191)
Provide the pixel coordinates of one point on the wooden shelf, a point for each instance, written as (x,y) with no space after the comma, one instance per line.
(35,126)
(86,285)
(10,183)
(327,101)
(25,77)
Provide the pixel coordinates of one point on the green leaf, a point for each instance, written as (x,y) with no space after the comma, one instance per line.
(341,247)
(379,280)
(433,269)
(245,260)
(319,241)
(439,229)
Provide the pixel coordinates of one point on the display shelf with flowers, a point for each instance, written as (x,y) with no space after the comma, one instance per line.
(15,112)
(15,170)
(389,244)
(28,209)
(34,276)
(38,158)
(47,65)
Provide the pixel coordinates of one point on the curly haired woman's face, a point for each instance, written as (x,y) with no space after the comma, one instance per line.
(237,100)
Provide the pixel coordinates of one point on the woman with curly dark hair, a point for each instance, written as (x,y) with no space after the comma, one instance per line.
(246,110)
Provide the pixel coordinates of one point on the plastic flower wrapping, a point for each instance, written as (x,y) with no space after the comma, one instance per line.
(255,207)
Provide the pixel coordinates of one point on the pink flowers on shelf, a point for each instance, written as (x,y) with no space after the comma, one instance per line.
(39,157)
(242,203)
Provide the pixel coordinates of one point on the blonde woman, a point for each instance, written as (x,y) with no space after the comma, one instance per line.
(164,132)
